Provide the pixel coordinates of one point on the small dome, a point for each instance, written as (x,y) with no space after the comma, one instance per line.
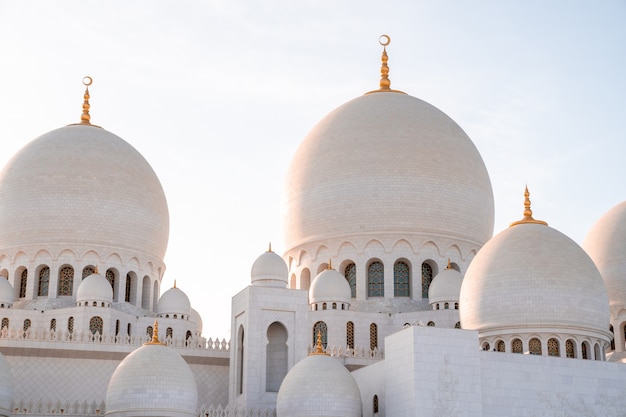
(174,301)
(606,244)
(196,318)
(446,286)
(318,386)
(269,270)
(153,380)
(6,388)
(95,287)
(330,286)
(7,295)
(531,277)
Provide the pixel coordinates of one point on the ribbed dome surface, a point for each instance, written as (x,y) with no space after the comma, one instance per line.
(318,386)
(95,287)
(82,186)
(269,269)
(174,301)
(329,286)
(606,244)
(153,380)
(6,388)
(446,286)
(387,163)
(7,295)
(533,276)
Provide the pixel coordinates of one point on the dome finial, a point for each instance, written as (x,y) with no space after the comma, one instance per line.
(449,264)
(85,117)
(385,82)
(528,213)
(174,282)
(319,349)
(330,263)
(95,270)
(270,247)
(155,335)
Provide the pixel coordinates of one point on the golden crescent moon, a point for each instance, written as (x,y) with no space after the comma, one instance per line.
(87,81)
(384,40)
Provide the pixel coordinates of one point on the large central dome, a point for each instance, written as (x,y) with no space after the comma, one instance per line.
(81,186)
(387,164)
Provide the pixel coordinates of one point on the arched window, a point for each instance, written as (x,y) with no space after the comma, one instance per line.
(111,276)
(169,333)
(570,352)
(320,327)
(456,306)
(323,306)
(334,306)
(431,324)
(446,306)
(44,281)
(596,352)
(516,346)
(240,357)
(375,404)
(27,324)
(486,346)
(155,295)
(188,335)
(613,337)
(117,327)
(70,325)
(401,279)
(5,324)
(553,347)
(277,354)
(534,346)
(53,324)
(66,280)
(145,293)
(350,335)
(149,331)
(457,325)
(88,270)
(376,280)
(95,325)
(500,346)
(585,350)
(373,336)
(129,281)
(305,279)
(427,277)
(23,282)
(350,274)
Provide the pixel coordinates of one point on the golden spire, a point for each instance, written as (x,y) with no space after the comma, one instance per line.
(95,270)
(174,283)
(155,335)
(449,264)
(384,83)
(528,213)
(270,247)
(85,117)
(330,264)
(319,350)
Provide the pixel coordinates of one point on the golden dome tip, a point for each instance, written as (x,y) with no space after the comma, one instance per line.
(528,213)
(385,82)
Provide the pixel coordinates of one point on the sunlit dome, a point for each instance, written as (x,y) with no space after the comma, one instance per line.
(319,386)
(531,277)
(606,244)
(153,380)
(81,186)
(6,388)
(269,270)
(387,164)
(174,301)
(329,286)
(7,295)
(446,286)
(95,287)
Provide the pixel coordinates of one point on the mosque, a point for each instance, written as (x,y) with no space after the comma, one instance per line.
(393,297)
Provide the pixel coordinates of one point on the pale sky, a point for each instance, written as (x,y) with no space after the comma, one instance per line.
(217,95)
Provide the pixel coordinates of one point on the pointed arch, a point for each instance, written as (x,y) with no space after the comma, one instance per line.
(430,248)
(403,246)
(277,355)
(322,253)
(374,245)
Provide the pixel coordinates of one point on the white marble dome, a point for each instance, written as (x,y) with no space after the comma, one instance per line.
(174,301)
(269,270)
(318,386)
(531,277)
(387,164)
(445,287)
(153,380)
(6,388)
(95,287)
(606,245)
(7,294)
(329,286)
(196,318)
(80,187)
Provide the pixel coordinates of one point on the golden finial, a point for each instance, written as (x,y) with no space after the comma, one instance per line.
(385,83)
(528,213)
(330,264)
(270,247)
(174,283)
(95,270)
(449,264)
(85,117)
(155,335)
(319,350)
